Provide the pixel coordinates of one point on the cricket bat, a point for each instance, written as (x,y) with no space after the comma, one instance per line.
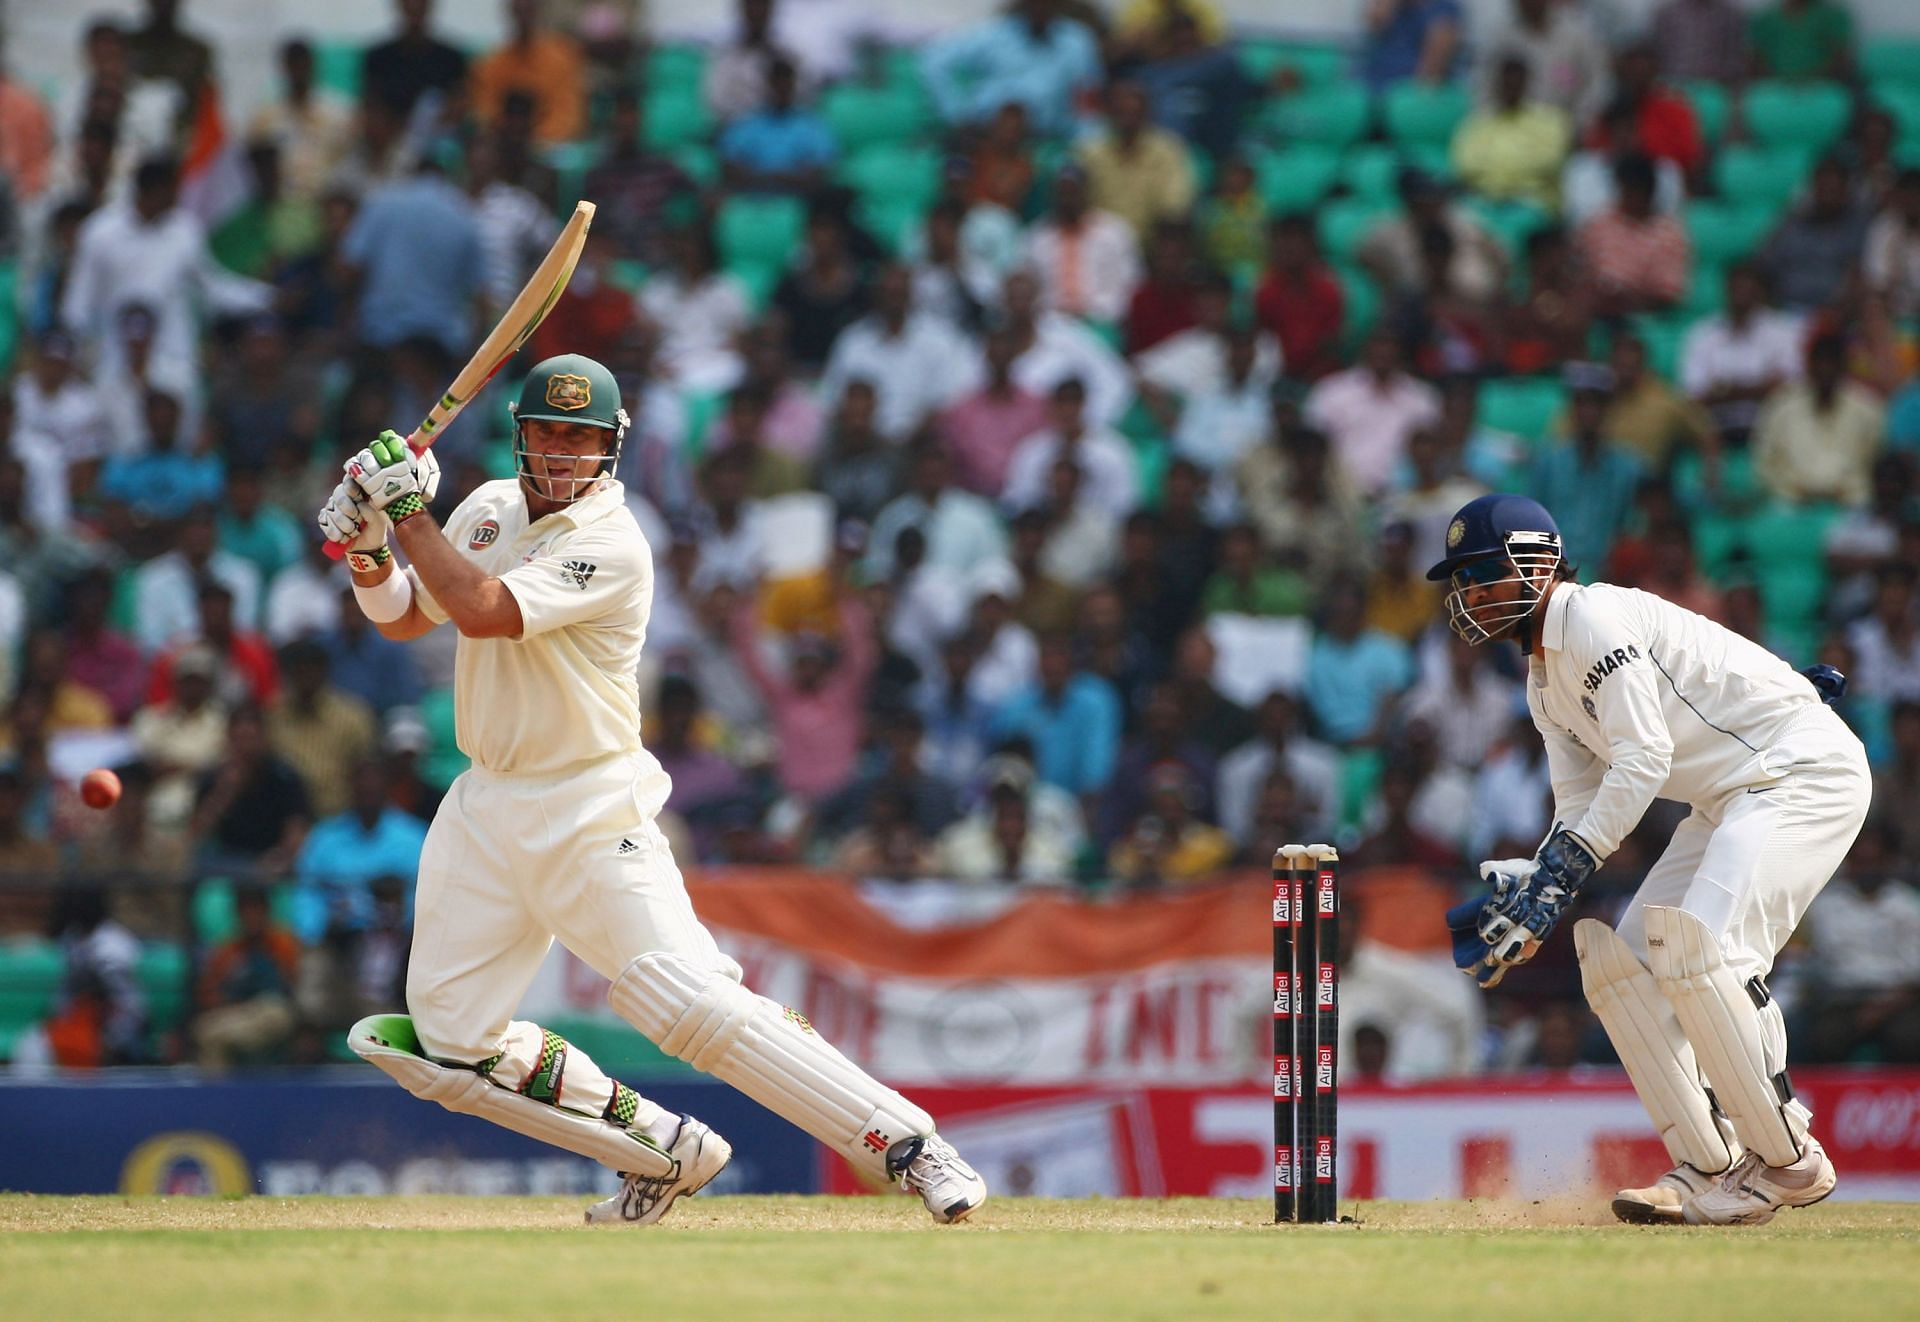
(523,316)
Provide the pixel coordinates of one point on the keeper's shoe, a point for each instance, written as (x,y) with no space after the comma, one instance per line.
(698,1154)
(1660,1203)
(1751,1191)
(951,1189)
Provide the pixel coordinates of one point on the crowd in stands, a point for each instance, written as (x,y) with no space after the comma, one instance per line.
(1042,432)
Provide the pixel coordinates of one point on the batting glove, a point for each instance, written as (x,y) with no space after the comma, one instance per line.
(349,519)
(394,478)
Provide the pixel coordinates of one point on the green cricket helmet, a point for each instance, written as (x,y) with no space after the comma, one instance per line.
(570,388)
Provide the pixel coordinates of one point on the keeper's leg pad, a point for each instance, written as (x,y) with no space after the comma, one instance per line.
(388,1041)
(770,1053)
(1659,1059)
(1737,1032)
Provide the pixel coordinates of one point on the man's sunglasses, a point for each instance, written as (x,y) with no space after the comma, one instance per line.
(1480,573)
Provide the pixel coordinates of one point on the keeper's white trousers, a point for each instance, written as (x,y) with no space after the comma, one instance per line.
(1749,866)
(511,863)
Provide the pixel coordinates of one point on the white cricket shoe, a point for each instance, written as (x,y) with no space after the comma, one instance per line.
(1752,1191)
(699,1154)
(951,1189)
(1660,1203)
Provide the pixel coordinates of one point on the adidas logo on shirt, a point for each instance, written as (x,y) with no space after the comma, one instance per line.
(577,572)
(627,847)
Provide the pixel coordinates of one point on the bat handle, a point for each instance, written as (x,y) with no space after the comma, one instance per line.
(337,550)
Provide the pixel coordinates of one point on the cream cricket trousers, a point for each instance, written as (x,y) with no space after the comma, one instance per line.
(1749,866)
(511,863)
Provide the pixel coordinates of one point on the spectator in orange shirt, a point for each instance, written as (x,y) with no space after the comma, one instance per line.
(546,65)
(1636,258)
(246,989)
(1000,171)
(26,136)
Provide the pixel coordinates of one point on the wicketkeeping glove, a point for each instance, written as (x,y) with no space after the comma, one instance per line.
(1523,919)
(394,478)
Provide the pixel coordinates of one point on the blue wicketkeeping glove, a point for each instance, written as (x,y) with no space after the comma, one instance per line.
(1472,955)
(1513,926)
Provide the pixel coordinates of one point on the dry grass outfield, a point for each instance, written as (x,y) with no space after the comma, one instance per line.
(739,1259)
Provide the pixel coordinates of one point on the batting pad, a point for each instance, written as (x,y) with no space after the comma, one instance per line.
(1660,1061)
(769,1053)
(388,1041)
(1736,1031)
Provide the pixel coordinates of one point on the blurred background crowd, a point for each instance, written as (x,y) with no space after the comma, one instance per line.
(1042,429)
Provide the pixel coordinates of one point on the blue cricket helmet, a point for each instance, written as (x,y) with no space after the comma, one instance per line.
(1496,525)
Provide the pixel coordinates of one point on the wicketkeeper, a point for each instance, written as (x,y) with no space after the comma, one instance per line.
(551,832)
(1638,699)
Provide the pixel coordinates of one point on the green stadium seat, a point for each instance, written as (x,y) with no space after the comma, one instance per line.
(1706,290)
(444,760)
(675,68)
(30,973)
(863,116)
(1295,178)
(1664,337)
(1415,112)
(1342,225)
(674,118)
(166,977)
(892,220)
(1372,171)
(1512,223)
(1525,406)
(1721,233)
(1333,116)
(1710,109)
(336,67)
(1902,100)
(760,277)
(1360,773)
(9,315)
(1890,60)
(1434,159)
(1753,176)
(758,230)
(701,162)
(1316,65)
(1807,116)
(895,172)
(1361,298)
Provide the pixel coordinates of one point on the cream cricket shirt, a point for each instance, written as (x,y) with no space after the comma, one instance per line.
(1639,699)
(563,694)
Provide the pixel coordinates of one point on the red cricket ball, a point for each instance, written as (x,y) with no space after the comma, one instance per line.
(100,788)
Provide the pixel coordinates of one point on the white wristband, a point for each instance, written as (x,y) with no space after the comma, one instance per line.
(387,600)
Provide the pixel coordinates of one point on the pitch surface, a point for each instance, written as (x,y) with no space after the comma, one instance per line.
(851,1259)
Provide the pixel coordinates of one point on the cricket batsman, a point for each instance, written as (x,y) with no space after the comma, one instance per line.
(1638,699)
(551,832)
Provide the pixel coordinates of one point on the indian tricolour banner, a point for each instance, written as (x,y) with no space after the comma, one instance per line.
(953,985)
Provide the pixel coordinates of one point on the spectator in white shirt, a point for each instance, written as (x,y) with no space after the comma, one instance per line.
(1512,794)
(516,229)
(304,599)
(1369,411)
(700,311)
(1886,644)
(1230,415)
(1435,1019)
(1465,702)
(1194,361)
(1864,934)
(1892,259)
(1731,362)
(1009,655)
(1081,541)
(166,589)
(962,530)
(1587,185)
(1089,260)
(1277,744)
(1050,347)
(1567,63)
(1112,482)
(59,420)
(730,528)
(735,81)
(149,251)
(909,356)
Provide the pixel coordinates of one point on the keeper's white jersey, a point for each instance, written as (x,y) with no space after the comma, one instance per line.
(1640,699)
(564,693)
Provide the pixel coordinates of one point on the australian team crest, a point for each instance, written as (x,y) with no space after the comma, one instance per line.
(1455,531)
(484,535)
(567,391)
